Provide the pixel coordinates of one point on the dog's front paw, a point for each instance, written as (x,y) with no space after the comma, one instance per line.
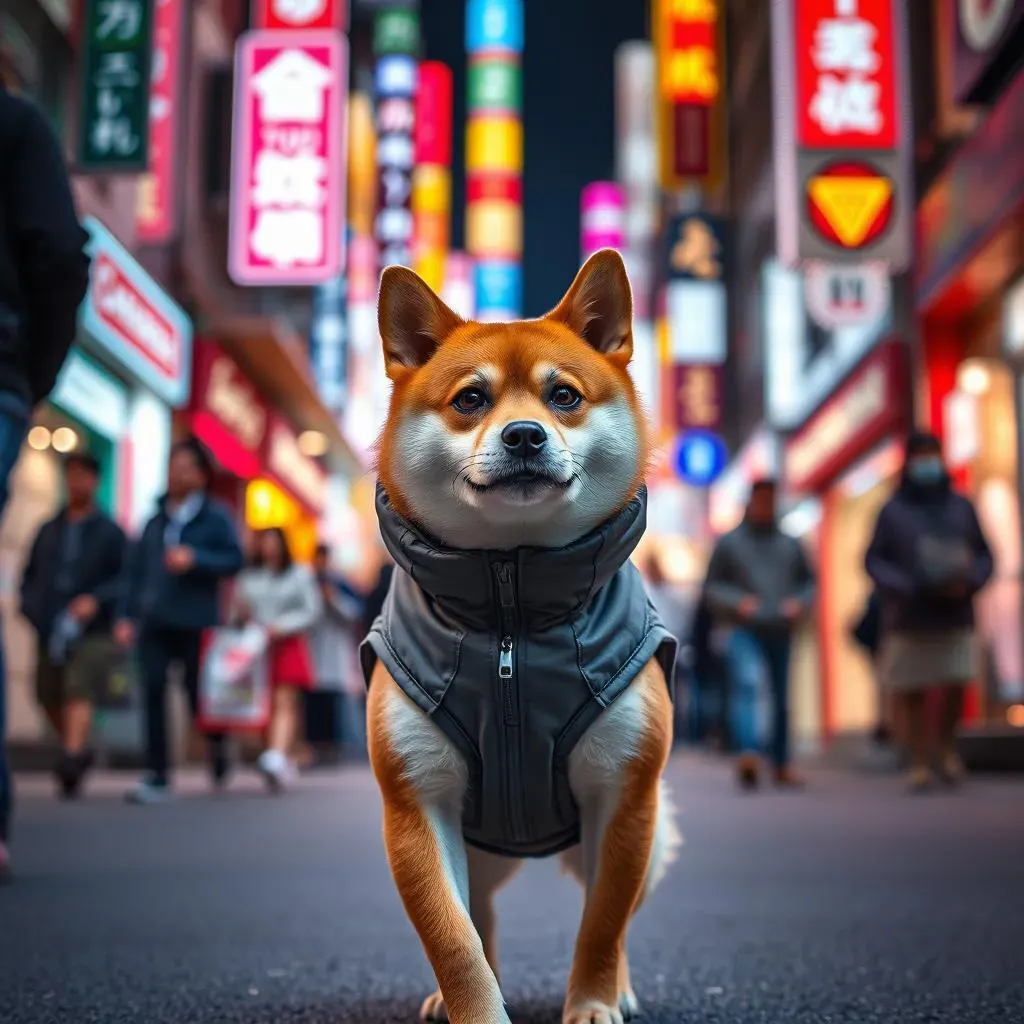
(433,1008)
(592,1011)
(629,1005)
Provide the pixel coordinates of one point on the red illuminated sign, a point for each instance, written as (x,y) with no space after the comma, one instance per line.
(433,127)
(846,79)
(689,59)
(132,317)
(302,14)
(156,209)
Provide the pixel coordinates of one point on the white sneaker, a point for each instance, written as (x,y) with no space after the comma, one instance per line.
(275,768)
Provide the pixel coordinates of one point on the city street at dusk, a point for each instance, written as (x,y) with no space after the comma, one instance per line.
(427,427)
(851,903)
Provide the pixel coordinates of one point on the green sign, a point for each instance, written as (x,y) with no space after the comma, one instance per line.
(495,85)
(396,30)
(117,49)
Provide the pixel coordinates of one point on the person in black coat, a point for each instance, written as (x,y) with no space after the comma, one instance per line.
(69,592)
(44,275)
(171,595)
(928,559)
(44,269)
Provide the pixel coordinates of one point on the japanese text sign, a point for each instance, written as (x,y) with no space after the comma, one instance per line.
(842,141)
(846,94)
(156,210)
(300,14)
(396,75)
(288,157)
(697,396)
(115,85)
(694,248)
(690,71)
(690,93)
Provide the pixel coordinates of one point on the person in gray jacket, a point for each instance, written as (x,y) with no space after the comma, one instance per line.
(760,581)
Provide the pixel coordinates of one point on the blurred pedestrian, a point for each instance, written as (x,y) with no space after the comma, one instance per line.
(335,643)
(759,579)
(171,596)
(69,592)
(283,597)
(928,558)
(44,275)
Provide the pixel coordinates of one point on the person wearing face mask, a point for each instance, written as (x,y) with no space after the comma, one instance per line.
(760,582)
(928,558)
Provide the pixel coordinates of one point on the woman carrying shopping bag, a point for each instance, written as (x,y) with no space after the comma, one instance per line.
(282,597)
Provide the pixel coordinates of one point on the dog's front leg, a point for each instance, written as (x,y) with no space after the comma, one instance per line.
(616,776)
(422,789)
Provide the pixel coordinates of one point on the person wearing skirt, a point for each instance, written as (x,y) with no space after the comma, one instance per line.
(283,597)
(928,558)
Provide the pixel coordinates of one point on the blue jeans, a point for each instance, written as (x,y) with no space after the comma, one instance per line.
(754,657)
(13,426)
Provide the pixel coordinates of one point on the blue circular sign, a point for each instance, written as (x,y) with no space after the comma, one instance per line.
(700,457)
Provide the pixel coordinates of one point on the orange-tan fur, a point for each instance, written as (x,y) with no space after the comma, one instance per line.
(627,833)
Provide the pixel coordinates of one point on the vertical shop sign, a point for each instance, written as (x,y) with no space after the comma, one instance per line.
(494,155)
(690,52)
(431,182)
(328,333)
(395,43)
(300,14)
(842,141)
(115,85)
(288,146)
(693,264)
(156,210)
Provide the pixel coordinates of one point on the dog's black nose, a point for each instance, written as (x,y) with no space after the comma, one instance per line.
(523,438)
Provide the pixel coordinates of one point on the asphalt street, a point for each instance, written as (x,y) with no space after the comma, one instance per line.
(850,903)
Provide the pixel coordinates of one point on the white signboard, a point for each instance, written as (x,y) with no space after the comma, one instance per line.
(855,295)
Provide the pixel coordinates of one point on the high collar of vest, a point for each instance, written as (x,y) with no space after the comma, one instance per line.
(549,583)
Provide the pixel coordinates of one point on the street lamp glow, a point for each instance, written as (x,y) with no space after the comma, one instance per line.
(974,377)
(39,438)
(312,443)
(64,440)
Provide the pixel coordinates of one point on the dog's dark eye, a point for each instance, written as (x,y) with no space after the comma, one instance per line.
(470,400)
(565,397)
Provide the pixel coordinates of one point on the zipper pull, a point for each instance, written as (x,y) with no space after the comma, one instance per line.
(506,589)
(505,658)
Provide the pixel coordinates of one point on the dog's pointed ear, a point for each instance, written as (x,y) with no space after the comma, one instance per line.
(413,321)
(599,305)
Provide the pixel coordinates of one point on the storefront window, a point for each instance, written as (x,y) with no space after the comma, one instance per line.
(267,506)
(994,488)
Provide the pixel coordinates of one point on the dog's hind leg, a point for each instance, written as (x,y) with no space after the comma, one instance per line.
(627,837)
(422,779)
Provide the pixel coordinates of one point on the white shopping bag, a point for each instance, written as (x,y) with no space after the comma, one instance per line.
(234,682)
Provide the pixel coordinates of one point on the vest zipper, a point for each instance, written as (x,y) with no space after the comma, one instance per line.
(506,652)
(507,667)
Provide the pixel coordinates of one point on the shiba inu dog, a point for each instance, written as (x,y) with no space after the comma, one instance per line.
(518,702)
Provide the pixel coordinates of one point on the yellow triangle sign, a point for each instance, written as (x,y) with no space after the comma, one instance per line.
(850,204)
